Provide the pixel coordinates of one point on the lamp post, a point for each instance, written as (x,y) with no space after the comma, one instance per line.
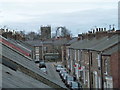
(90,86)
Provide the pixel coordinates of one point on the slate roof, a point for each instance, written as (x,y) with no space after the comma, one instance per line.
(57,42)
(26,45)
(73,40)
(35,42)
(17,79)
(22,45)
(20,62)
(38,42)
(96,44)
(112,50)
(109,42)
(60,41)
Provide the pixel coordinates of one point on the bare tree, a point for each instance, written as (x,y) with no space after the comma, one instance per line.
(63,32)
(33,36)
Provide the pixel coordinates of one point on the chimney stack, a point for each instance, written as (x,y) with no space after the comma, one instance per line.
(80,36)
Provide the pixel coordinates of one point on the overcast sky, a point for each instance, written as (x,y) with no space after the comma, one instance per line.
(77,15)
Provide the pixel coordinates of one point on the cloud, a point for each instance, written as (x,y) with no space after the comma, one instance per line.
(74,14)
(32,1)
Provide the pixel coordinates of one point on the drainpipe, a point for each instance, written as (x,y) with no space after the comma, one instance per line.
(42,51)
(89,71)
(101,67)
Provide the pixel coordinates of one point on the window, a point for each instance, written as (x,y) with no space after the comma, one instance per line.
(106,66)
(78,55)
(36,51)
(99,61)
(37,56)
(36,48)
(68,52)
(75,55)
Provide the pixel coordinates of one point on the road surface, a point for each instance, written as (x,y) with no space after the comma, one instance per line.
(51,71)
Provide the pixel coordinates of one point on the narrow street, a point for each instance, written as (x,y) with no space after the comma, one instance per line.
(51,71)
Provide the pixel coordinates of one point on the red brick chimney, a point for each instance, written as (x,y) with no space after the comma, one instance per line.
(80,36)
(101,33)
(68,37)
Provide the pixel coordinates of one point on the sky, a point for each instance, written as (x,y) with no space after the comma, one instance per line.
(78,16)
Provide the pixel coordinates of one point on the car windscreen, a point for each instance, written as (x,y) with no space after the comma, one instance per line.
(70,78)
(42,63)
(74,84)
(59,66)
(36,61)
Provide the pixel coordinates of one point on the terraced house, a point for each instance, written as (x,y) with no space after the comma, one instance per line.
(94,58)
(18,69)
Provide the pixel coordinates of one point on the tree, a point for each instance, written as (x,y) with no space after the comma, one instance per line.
(32,36)
(63,32)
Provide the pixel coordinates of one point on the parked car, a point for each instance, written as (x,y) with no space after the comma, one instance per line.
(62,70)
(68,80)
(37,62)
(42,64)
(74,85)
(59,67)
(44,70)
(63,73)
(65,76)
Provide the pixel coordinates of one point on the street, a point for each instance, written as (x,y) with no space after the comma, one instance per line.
(51,71)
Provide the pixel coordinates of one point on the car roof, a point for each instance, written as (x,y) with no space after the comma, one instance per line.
(43,68)
(73,82)
(59,65)
(70,76)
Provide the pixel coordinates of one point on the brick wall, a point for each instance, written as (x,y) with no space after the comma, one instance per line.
(115,66)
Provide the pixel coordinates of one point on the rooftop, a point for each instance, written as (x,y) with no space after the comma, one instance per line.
(96,44)
(19,69)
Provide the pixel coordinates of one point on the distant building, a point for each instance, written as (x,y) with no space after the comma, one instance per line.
(119,15)
(45,32)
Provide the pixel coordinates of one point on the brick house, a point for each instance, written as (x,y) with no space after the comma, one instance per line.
(48,49)
(40,48)
(66,52)
(90,60)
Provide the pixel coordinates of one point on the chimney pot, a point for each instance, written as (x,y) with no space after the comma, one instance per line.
(104,29)
(96,29)
(6,30)
(93,31)
(99,29)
